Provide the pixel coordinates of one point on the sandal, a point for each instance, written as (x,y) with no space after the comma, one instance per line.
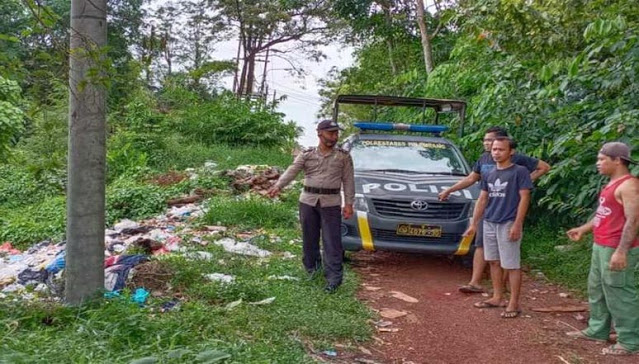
(469,288)
(486,304)
(616,349)
(510,314)
(579,334)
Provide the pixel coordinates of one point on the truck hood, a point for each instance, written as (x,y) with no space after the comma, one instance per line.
(385,184)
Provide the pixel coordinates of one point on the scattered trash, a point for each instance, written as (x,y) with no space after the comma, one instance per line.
(173,305)
(6,247)
(283,278)
(231,246)
(391,313)
(382,323)
(387,329)
(140,296)
(288,255)
(365,351)
(57,264)
(233,304)
(125,224)
(329,353)
(564,248)
(219,277)
(199,255)
(371,288)
(404,297)
(266,301)
(564,295)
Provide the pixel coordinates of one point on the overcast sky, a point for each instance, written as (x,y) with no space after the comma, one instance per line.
(303,101)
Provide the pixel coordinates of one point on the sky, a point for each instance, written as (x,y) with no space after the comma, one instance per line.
(303,101)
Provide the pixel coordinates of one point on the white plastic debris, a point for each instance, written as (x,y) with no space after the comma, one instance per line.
(231,246)
(14,287)
(199,255)
(125,224)
(266,301)
(283,278)
(219,277)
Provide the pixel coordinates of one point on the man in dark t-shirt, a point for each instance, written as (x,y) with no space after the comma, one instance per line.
(503,204)
(485,164)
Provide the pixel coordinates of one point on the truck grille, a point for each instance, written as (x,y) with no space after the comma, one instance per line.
(436,210)
(390,235)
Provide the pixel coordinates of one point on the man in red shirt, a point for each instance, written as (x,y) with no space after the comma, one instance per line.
(612,293)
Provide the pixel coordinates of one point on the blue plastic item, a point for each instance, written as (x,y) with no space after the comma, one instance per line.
(436,129)
(140,296)
(58,263)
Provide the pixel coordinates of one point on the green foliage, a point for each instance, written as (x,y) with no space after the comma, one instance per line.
(28,224)
(129,199)
(119,331)
(11,116)
(235,122)
(560,76)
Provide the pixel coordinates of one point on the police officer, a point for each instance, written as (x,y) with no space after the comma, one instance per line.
(327,169)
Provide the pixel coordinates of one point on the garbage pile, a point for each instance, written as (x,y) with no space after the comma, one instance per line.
(130,244)
(259,178)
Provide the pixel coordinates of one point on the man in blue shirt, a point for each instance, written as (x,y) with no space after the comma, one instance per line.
(504,200)
(485,164)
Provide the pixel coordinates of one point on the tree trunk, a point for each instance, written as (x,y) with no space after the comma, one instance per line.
(423,30)
(87,154)
(388,19)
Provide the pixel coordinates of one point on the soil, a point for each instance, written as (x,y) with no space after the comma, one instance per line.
(444,327)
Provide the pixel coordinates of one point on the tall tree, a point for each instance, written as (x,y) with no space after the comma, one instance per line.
(423,31)
(271,24)
(87,152)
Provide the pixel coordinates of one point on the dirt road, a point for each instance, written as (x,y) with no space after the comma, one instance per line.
(444,327)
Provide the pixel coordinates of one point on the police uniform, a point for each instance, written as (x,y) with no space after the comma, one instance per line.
(325,175)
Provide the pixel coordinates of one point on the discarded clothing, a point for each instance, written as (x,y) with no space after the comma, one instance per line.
(30,275)
(118,268)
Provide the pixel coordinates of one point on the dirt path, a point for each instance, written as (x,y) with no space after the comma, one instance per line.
(444,327)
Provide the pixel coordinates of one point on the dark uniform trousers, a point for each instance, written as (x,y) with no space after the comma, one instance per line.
(328,220)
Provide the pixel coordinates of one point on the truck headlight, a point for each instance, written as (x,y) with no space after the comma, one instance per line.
(360,203)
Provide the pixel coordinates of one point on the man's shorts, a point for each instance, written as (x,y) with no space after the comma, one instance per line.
(497,245)
(479,235)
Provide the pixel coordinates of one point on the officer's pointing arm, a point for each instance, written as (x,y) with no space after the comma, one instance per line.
(289,175)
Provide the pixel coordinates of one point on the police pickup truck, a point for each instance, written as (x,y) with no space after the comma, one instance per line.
(399,171)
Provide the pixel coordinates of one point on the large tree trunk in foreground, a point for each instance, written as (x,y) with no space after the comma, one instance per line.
(87,153)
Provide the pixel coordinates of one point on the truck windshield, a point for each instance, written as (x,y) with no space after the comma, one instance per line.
(407,157)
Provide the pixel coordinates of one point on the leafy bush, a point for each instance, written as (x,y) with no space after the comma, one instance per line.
(231,121)
(29,224)
(11,116)
(129,199)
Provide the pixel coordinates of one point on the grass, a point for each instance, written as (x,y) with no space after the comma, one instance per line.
(569,268)
(118,331)
(250,211)
(203,329)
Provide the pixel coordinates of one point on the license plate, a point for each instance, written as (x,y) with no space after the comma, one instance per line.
(428,231)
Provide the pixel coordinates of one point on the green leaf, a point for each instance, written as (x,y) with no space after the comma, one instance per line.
(9,38)
(145,360)
(211,356)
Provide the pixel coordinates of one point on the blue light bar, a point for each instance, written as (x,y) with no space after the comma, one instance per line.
(436,129)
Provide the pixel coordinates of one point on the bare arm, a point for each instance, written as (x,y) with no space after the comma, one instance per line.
(542,168)
(630,201)
(575,234)
(522,209)
(467,181)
